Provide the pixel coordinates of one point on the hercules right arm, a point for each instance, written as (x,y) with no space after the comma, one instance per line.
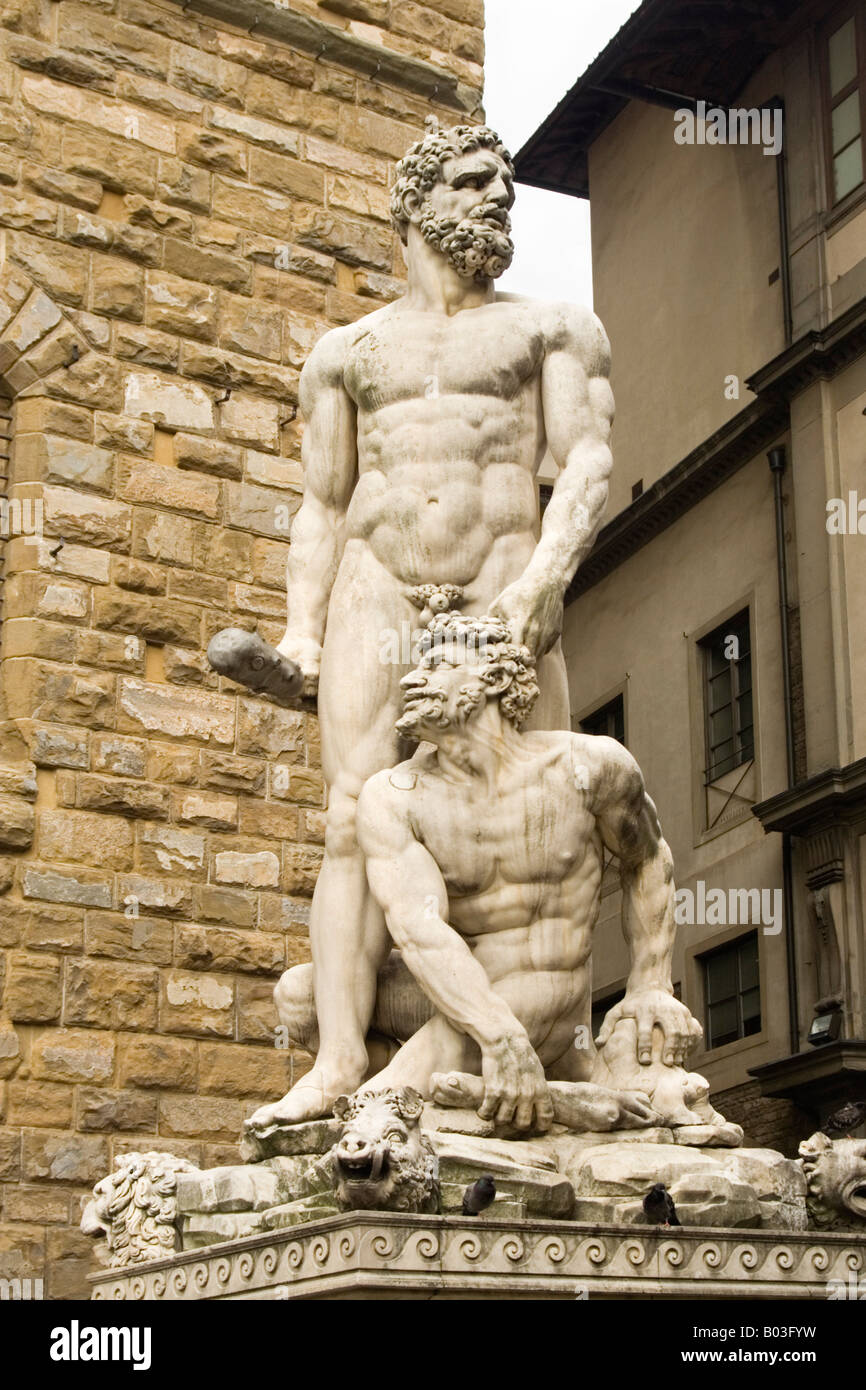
(330,460)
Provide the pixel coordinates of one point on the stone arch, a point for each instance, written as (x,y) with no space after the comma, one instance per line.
(39,342)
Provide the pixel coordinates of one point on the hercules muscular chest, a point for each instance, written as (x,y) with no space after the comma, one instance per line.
(490,351)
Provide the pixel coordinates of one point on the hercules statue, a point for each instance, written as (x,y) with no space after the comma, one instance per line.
(426,422)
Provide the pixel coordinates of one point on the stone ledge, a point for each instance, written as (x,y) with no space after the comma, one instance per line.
(266,20)
(385,1255)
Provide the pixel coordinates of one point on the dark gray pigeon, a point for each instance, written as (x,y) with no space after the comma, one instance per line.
(479,1195)
(846,1118)
(658,1207)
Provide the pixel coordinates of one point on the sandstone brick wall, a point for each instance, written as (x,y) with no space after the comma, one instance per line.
(184,208)
(767,1123)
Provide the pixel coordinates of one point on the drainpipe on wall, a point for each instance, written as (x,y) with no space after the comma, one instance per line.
(777,104)
(777,461)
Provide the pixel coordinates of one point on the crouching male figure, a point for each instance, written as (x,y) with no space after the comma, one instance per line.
(485,850)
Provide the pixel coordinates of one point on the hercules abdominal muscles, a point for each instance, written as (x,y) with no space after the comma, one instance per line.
(421,516)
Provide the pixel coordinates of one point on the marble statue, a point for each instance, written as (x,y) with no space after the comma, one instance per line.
(383,1160)
(448,1001)
(835,1171)
(425,424)
(133,1210)
(485,852)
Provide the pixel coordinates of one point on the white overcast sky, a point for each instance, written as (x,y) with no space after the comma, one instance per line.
(536,50)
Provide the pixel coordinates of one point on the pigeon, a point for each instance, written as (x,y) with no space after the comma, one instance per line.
(479,1195)
(840,1124)
(658,1207)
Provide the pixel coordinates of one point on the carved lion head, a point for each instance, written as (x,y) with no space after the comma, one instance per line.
(134,1207)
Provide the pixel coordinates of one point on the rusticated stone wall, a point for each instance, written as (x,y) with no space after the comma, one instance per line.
(184,208)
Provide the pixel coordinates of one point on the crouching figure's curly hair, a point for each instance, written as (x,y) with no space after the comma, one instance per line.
(487,639)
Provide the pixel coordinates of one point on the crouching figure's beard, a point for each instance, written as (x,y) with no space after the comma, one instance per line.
(428,713)
(478,246)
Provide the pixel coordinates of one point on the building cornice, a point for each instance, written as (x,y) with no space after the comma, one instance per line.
(829,797)
(821,1076)
(677,491)
(264,19)
(821,353)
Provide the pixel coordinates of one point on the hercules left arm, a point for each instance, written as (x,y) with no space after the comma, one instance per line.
(577,406)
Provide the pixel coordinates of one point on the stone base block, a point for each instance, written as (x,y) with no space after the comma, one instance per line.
(380,1255)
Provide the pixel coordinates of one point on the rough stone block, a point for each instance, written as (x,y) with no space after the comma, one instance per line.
(214,150)
(257,1016)
(184,185)
(221,948)
(158,1063)
(146,348)
(84,888)
(181,306)
(177,713)
(227,906)
(268,732)
(117,288)
(54,747)
(260,869)
(102,1109)
(83,837)
(69,1054)
(200,1117)
(111,996)
(265,818)
(290,176)
(198,1004)
(194,263)
(206,809)
(157,485)
(67,1158)
(208,455)
(159,536)
(110,649)
(41,1104)
(356,243)
(174,404)
(17,823)
(122,757)
(244,1072)
(301,864)
(78,516)
(166,850)
(60,270)
(251,328)
(33,991)
(119,432)
(148,940)
(359,196)
(256,132)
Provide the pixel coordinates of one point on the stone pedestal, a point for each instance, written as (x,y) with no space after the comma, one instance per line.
(368,1255)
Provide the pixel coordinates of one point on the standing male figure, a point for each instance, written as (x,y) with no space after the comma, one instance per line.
(426,422)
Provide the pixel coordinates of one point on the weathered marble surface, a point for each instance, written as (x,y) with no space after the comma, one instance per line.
(133,1211)
(424,426)
(485,852)
(374,1255)
(155,1203)
(835,1171)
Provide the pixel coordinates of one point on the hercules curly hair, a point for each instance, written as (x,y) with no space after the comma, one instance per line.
(420,169)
